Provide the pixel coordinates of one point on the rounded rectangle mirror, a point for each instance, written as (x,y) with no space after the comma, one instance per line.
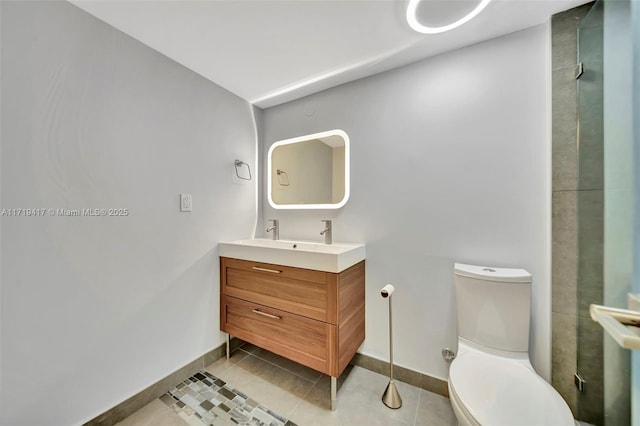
(309,172)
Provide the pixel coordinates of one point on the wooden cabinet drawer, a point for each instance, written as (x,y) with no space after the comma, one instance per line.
(305,292)
(304,340)
(312,317)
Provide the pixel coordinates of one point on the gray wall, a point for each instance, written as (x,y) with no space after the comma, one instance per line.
(450,163)
(95,309)
(578,211)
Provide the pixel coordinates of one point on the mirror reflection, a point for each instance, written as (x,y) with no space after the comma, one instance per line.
(310,171)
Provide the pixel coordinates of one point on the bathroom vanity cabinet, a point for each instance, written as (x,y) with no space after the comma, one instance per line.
(315,318)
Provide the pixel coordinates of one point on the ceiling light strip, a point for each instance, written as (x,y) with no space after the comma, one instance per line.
(415,25)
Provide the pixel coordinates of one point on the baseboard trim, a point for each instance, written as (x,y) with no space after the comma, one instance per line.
(159,388)
(162,386)
(415,378)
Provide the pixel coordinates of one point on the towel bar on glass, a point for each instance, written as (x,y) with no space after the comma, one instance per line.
(623,325)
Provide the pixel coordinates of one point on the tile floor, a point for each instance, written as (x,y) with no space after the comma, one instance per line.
(302,395)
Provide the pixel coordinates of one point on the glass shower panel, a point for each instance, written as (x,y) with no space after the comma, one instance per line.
(618,200)
(605,207)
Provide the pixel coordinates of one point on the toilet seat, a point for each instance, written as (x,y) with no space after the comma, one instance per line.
(494,390)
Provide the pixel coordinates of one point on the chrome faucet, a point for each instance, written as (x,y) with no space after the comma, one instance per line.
(326,231)
(275,227)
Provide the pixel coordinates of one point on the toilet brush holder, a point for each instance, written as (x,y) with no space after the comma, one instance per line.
(391,396)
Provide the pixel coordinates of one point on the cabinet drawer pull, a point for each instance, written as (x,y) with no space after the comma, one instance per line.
(255,311)
(273,271)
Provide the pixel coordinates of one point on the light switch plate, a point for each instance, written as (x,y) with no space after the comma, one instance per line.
(186,203)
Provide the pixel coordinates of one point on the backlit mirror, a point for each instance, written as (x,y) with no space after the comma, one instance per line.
(309,172)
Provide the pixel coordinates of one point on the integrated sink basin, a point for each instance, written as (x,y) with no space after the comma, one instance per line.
(334,257)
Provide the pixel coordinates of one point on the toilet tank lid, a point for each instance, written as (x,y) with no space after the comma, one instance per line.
(489,273)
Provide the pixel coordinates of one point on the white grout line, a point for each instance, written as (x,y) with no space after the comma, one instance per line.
(415,418)
(304,396)
(282,368)
(313,383)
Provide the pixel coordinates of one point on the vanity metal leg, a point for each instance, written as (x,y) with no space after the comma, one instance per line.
(334,390)
(228,346)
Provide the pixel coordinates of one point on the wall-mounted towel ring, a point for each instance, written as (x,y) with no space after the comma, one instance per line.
(283,177)
(239,164)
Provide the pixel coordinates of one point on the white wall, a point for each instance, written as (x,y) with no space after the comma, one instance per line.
(94,309)
(450,162)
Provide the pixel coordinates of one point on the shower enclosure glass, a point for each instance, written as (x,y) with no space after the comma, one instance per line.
(605,206)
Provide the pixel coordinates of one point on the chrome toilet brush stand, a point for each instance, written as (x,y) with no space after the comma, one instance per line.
(391,396)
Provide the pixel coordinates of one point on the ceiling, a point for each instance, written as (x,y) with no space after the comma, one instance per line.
(273,51)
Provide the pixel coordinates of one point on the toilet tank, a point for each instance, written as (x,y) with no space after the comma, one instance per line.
(493,306)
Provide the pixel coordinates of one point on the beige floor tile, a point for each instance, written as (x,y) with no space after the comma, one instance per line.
(266,383)
(309,414)
(222,364)
(434,410)
(347,414)
(237,378)
(249,347)
(275,398)
(291,366)
(363,389)
(276,375)
(156,413)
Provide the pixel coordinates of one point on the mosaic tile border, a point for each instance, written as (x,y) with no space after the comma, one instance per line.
(204,399)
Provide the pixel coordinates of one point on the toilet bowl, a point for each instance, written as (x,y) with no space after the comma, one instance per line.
(491,380)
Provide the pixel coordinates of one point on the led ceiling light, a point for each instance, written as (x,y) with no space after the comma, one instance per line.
(417,26)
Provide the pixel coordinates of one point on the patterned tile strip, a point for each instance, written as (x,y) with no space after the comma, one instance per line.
(203,400)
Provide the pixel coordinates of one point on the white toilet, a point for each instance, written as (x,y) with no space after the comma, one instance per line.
(491,380)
